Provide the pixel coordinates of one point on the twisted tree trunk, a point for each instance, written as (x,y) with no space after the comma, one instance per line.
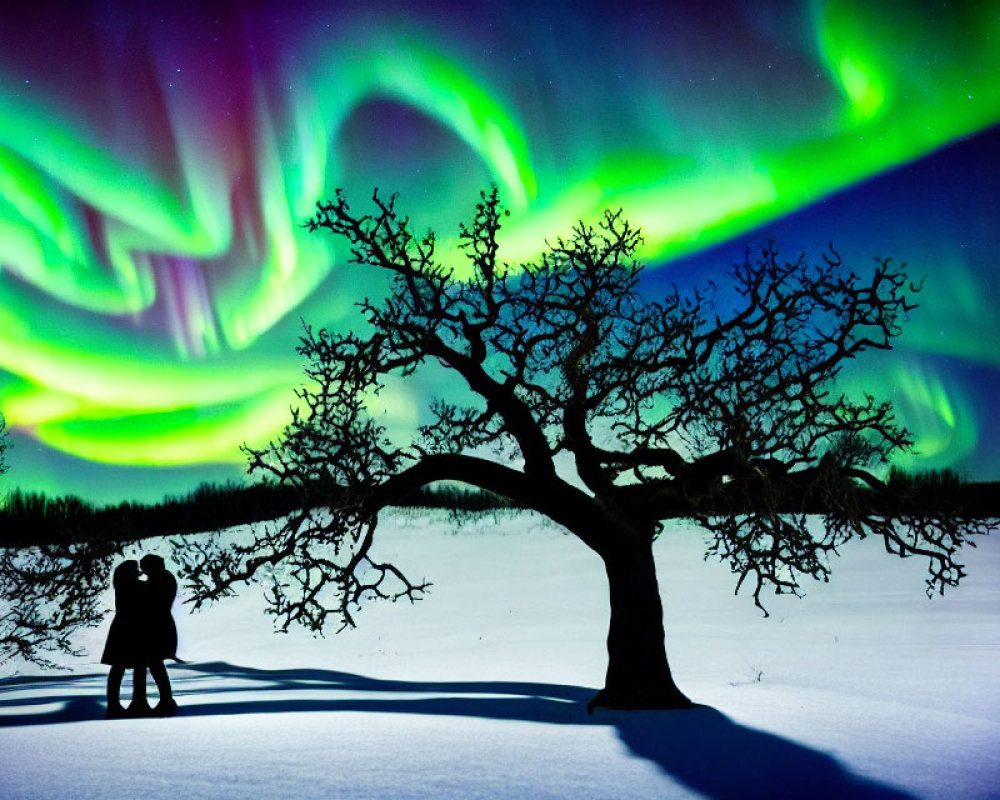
(638,674)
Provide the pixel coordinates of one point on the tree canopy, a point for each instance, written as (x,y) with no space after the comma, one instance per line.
(600,408)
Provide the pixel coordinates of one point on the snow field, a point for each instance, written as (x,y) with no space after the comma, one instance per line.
(865,688)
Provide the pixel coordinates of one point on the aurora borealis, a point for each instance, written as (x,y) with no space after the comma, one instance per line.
(156,165)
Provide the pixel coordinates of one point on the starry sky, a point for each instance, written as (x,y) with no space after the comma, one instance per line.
(156,164)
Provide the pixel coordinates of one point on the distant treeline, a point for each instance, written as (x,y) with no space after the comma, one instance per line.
(28,518)
(946,490)
(933,493)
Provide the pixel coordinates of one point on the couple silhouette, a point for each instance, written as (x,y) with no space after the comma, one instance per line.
(141,637)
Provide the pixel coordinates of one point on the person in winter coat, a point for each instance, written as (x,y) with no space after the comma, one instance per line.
(160,640)
(126,646)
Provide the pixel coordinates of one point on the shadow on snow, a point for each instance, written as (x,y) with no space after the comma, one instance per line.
(701,747)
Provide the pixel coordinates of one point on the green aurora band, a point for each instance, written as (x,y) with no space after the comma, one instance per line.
(153,266)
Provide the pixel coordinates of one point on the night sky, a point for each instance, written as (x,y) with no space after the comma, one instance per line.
(156,165)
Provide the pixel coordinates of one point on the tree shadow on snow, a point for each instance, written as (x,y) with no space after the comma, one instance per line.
(700,748)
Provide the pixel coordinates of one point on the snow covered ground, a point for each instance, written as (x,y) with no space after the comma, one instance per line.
(863,689)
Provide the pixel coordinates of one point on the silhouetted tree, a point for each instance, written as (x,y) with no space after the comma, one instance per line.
(4,444)
(598,408)
(49,591)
